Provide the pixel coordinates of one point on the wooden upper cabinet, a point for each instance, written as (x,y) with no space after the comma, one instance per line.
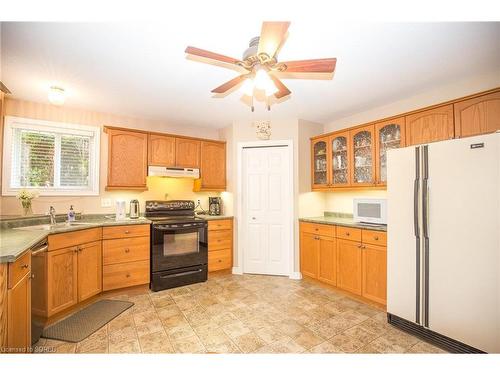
(213,166)
(388,135)
(161,150)
(340,164)
(477,115)
(432,125)
(362,155)
(127,159)
(320,163)
(187,152)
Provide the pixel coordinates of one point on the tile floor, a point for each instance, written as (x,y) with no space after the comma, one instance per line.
(245,314)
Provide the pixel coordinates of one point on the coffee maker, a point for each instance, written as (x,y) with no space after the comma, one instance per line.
(214,206)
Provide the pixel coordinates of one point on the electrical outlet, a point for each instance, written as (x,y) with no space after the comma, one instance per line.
(106,202)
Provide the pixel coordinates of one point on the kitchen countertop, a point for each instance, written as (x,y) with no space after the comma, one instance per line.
(213,217)
(343,221)
(14,242)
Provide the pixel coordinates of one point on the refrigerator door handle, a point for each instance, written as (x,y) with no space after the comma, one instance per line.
(416,226)
(425,225)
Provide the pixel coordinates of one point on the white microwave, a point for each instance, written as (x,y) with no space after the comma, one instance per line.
(368,210)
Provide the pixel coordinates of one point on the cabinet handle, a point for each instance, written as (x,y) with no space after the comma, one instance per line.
(127,232)
(127,275)
(316,229)
(376,238)
(360,246)
(76,250)
(24,266)
(220,260)
(127,250)
(347,233)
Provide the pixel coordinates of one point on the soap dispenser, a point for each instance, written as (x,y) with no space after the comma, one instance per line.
(71,214)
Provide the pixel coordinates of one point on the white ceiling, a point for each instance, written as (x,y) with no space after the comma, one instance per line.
(139,69)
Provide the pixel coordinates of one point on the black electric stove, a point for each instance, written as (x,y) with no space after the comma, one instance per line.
(179,244)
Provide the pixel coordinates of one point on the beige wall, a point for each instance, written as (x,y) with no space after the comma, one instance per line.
(158,187)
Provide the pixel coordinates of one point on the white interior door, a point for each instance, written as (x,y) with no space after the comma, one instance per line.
(266,206)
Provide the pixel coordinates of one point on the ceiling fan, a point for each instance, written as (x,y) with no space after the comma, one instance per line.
(261,66)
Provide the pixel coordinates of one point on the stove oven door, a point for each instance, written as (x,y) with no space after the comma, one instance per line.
(175,246)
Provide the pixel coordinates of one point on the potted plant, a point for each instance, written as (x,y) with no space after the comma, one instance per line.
(26,196)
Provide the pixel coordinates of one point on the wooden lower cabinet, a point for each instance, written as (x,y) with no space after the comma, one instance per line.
(89,270)
(351,259)
(15,306)
(62,279)
(19,316)
(126,256)
(220,244)
(349,265)
(374,282)
(327,269)
(122,275)
(74,274)
(309,254)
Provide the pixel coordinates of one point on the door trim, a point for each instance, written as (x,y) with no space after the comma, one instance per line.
(240,221)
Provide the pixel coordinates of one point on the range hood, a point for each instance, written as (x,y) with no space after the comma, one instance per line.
(154,170)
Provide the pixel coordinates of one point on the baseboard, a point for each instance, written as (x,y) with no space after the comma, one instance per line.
(296,276)
(237,271)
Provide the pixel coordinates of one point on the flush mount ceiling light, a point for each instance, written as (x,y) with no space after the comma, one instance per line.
(261,62)
(57,95)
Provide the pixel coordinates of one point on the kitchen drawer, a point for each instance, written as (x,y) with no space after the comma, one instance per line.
(347,233)
(125,250)
(220,224)
(122,231)
(77,237)
(220,239)
(115,276)
(219,260)
(320,229)
(19,269)
(374,237)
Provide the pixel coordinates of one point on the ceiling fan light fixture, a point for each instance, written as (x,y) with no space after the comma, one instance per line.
(247,87)
(262,79)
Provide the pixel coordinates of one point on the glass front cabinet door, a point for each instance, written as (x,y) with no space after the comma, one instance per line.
(340,159)
(362,156)
(320,163)
(389,135)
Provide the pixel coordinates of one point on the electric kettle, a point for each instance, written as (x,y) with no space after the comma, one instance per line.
(134,209)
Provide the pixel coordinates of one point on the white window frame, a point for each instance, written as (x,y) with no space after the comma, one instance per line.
(12,123)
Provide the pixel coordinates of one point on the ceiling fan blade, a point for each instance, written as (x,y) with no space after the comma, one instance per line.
(210,55)
(4,88)
(229,85)
(283,90)
(311,66)
(272,35)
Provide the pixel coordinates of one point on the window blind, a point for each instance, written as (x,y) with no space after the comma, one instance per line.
(54,159)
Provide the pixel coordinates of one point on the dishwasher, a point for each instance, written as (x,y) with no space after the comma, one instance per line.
(38,289)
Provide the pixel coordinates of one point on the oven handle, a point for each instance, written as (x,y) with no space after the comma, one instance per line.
(181,274)
(178,229)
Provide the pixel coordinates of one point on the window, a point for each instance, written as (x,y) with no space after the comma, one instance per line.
(54,158)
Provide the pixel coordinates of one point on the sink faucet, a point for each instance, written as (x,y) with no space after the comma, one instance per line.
(52,213)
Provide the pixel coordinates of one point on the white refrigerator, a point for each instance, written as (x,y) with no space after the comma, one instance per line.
(443,254)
